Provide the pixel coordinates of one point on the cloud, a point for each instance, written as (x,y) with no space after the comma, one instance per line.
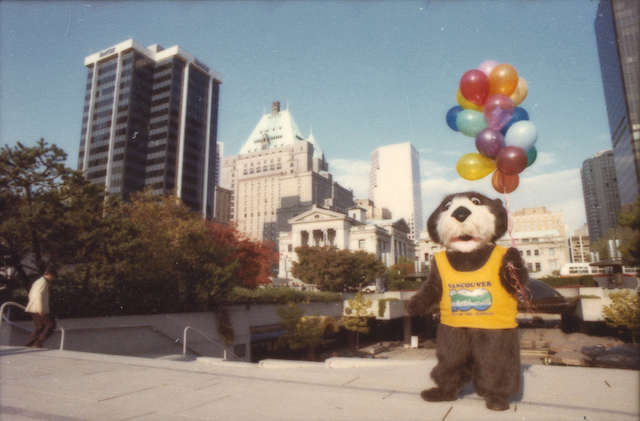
(558,191)
(352,174)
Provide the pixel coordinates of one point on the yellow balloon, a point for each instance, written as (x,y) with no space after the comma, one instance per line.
(466,104)
(473,166)
(522,89)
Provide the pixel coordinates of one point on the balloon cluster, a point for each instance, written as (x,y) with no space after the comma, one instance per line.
(488,110)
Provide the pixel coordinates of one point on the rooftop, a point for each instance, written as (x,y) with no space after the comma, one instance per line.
(67,385)
(277,129)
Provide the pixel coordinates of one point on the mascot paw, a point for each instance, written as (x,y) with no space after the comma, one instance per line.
(436,394)
(497,404)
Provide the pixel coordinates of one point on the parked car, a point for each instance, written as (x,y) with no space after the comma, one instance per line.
(545,299)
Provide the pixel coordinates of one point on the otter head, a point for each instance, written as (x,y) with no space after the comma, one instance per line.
(466,221)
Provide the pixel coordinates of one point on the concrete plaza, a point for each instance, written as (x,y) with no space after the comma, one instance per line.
(58,385)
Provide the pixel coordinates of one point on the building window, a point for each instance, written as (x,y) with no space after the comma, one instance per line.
(536,252)
(528,252)
(538,267)
(361,244)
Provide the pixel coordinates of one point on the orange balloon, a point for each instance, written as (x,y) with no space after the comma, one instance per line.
(466,104)
(503,79)
(504,183)
(521,91)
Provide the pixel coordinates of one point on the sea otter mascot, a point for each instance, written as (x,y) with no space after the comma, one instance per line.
(476,285)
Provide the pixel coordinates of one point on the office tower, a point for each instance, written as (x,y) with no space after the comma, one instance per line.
(600,192)
(394,184)
(617,27)
(150,121)
(277,175)
(540,237)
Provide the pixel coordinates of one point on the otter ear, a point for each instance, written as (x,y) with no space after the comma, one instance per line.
(502,219)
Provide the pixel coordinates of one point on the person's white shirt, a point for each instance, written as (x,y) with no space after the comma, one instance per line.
(39,297)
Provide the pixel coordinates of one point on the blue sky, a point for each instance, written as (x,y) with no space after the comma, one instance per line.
(359,74)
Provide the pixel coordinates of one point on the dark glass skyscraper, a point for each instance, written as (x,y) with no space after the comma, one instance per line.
(150,121)
(600,191)
(617,27)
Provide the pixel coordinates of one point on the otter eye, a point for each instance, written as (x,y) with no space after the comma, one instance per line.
(476,201)
(447,205)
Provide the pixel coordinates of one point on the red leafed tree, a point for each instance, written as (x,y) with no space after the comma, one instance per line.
(257,259)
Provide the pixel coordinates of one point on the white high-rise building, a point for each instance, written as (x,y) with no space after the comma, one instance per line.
(394,184)
(277,175)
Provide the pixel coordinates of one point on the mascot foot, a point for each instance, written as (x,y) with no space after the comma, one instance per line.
(497,404)
(436,394)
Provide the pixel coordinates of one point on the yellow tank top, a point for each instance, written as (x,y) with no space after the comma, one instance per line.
(477,298)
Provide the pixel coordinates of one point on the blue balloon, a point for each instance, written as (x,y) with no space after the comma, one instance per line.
(470,122)
(452,114)
(519,114)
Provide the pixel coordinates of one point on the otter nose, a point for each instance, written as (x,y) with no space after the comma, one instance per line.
(461,213)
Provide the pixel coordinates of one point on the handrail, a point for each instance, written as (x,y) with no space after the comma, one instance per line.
(213,341)
(20,306)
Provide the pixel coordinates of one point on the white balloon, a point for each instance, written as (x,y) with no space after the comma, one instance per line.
(522,134)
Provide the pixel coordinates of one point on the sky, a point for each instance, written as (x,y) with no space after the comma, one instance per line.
(357,74)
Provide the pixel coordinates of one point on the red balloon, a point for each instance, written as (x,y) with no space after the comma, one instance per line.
(511,160)
(474,86)
(504,183)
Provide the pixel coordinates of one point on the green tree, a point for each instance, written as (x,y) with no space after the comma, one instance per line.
(358,312)
(303,332)
(336,270)
(624,311)
(397,275)
(629,221)
(627,233)
(44,206)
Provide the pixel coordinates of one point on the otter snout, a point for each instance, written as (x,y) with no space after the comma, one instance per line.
(461,213)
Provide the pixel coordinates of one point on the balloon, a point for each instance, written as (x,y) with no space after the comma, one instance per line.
(451,117)
(489,142)
(487,66)
(521,91)
(502,80)
(519,114)
(466,104)
(498,110)
(473,166)
(504,183)
(511,160)
(470,122)
(474,86)
(532,154)
(522,134)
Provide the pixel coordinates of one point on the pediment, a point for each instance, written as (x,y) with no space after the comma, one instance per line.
(316,214)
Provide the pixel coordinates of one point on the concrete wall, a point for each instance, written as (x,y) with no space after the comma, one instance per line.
(162,334)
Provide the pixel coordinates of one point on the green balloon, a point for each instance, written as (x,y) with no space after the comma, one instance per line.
(470,122)
(532,154)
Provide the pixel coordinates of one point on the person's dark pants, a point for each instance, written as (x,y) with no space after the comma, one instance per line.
(43,327)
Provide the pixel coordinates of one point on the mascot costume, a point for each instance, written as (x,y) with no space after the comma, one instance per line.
(476,285)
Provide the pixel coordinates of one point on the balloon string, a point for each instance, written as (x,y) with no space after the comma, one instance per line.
(521,290)
(509,220)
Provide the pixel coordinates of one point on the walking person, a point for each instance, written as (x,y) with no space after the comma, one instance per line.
(38,306)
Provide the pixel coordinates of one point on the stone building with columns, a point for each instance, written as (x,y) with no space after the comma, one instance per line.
(388,239)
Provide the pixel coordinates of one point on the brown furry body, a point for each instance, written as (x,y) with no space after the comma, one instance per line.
(488,357)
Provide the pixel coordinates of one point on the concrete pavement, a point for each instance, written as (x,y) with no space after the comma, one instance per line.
(68,386)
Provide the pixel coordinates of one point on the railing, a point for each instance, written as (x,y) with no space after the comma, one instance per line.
(225,352)
(21,307)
